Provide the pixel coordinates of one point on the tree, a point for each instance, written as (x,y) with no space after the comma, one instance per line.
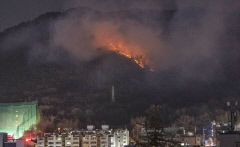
(157,118)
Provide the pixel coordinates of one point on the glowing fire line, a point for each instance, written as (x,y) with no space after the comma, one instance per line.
(133,53)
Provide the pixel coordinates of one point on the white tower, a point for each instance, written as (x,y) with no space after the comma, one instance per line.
(113,94)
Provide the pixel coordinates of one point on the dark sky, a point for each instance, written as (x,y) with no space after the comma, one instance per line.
(13,12)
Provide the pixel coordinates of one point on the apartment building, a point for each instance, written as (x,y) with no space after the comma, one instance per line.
(86,138)
(104,140)
(89,140)
(120,138)
(41,141)
(72,141)
(55,141)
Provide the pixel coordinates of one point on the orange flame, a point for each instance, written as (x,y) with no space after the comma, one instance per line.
(130,52)
(107,35)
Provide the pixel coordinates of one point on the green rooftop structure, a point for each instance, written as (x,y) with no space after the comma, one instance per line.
(15,118)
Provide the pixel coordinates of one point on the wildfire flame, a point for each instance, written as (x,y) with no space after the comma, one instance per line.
(130,52)
(107,35)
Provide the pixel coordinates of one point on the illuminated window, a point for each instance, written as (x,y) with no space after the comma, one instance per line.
(68,142)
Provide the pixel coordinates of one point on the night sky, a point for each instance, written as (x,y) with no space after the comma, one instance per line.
(13,12)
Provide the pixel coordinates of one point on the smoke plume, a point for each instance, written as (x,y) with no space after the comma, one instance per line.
(189,41)
(187,37)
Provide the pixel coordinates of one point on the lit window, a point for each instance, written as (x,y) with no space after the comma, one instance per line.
(68,142)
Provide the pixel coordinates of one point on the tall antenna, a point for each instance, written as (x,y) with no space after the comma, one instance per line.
(233,108)
(113,94)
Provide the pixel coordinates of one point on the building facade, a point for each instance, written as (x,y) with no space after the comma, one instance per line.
(85,138)
(72,141)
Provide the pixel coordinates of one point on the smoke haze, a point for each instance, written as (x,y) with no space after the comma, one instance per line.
(181,36)
(190,42)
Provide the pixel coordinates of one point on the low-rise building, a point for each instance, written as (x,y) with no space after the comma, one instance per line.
(121,138)
(229,139)
(3,138)
(72,141)
(86,138)
(41,142)
(104,140)
(55,141)
(6,142)
(89,140)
